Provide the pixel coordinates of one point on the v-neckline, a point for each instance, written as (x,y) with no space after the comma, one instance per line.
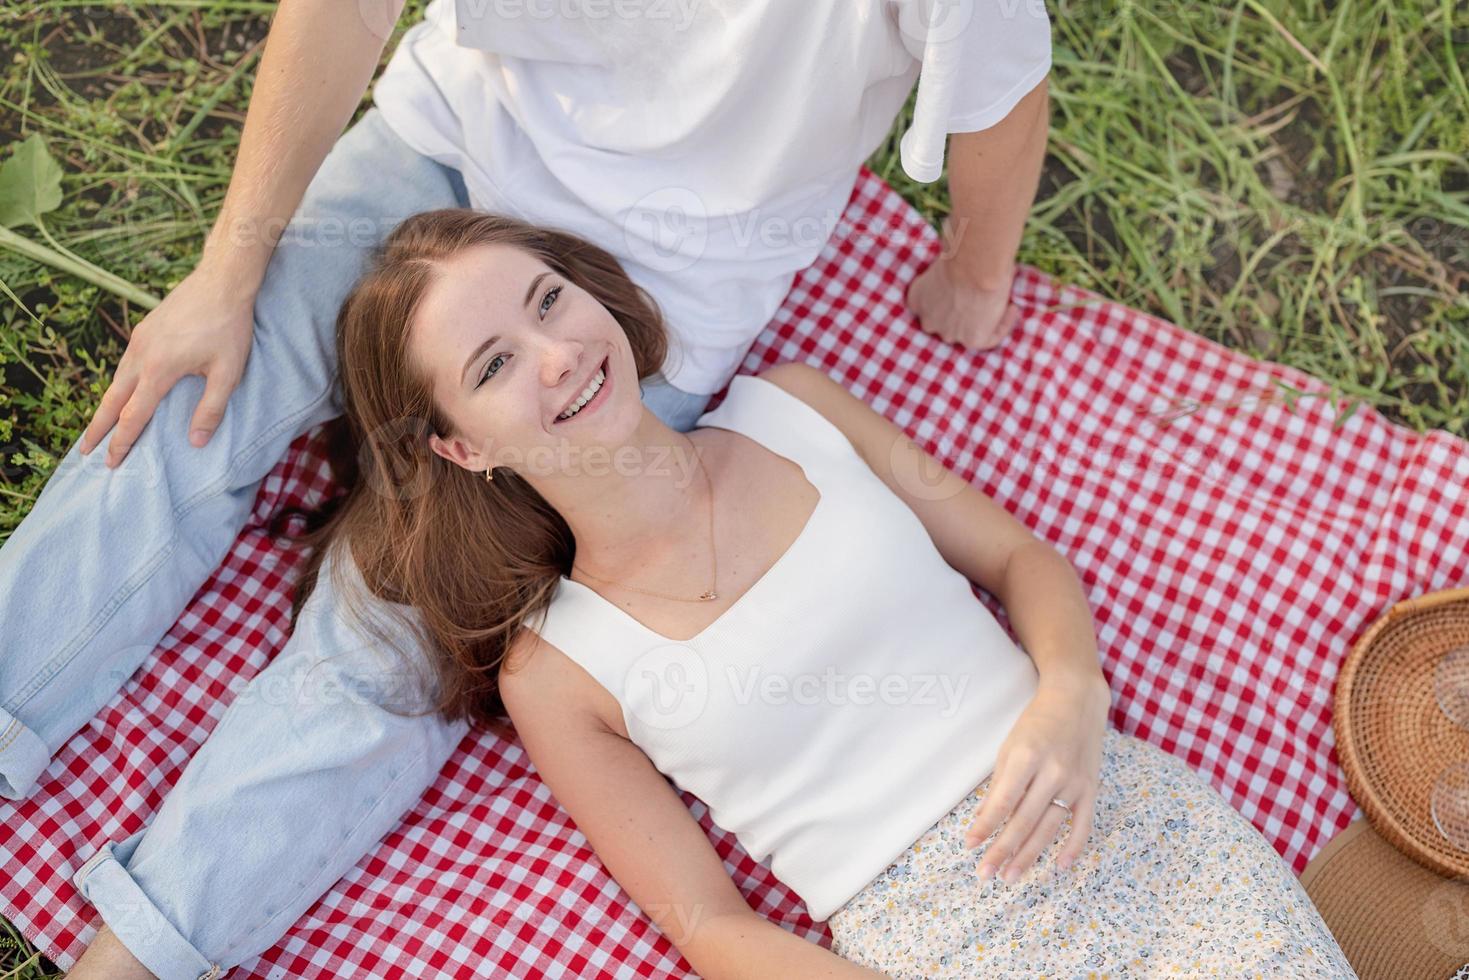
(821,495)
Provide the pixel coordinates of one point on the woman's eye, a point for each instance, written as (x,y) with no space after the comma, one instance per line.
(486,376)
(549,299)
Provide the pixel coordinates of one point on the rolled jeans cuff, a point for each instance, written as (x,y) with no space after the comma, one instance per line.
(23,757)
(135,919)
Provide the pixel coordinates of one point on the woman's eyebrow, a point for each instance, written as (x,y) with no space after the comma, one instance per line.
(532,290)
(474,356)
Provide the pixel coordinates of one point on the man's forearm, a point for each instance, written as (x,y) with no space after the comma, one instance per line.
(319,57)
(993,178)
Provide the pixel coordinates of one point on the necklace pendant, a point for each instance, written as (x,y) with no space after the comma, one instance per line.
(710,594)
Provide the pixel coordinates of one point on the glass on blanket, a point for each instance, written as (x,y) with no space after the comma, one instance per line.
(1449,804)
(1451,685)
(1449,801)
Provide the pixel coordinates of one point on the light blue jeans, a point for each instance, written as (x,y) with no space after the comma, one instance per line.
(295,784)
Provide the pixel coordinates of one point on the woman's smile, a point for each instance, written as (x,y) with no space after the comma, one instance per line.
(604,369)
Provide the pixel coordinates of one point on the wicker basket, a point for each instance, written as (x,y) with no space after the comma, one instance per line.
(1391,735)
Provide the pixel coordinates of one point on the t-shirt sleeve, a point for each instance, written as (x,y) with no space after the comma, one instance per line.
(979,58)
(1006,51)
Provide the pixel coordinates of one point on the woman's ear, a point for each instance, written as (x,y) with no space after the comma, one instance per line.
(456,452)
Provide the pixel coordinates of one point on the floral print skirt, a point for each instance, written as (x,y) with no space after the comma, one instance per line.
(1174,881)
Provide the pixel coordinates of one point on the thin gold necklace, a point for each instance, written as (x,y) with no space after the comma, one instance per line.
(709,593)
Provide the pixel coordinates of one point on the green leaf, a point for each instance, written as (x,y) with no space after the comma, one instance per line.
(30,184)
(1341,420)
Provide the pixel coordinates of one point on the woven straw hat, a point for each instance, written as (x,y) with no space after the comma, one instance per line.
(1393,918)
(1393,888)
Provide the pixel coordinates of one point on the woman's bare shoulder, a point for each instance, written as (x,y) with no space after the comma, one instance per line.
(538,676)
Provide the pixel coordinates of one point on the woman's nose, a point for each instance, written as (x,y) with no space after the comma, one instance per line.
(561,361)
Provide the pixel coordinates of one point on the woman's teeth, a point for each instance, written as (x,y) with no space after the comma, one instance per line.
(586,396)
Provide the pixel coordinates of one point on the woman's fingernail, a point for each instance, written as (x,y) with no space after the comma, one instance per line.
(198,437)
(985,870)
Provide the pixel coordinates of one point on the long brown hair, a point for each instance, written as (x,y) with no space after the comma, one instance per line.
(467,560)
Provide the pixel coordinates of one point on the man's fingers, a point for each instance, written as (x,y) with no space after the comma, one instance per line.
(113,399)
(1011,320)
(992,336)
(1002,330)
(207,416)
(134,415)
(915,296)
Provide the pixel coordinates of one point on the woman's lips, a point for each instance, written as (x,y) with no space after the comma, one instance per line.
(597,399)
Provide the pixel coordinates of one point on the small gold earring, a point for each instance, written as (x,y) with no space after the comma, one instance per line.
(489,474)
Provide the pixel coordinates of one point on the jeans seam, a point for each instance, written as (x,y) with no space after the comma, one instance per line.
(60,661)
(91,862)
(420,760)
(12,730)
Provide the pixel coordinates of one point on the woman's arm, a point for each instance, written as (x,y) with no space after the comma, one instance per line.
(974,533)
(978,537)
(1054,748)
(753,946)
(641,829)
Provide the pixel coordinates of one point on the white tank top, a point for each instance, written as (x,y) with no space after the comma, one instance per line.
(845,702)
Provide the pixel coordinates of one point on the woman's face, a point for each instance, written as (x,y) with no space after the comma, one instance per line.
(509,345)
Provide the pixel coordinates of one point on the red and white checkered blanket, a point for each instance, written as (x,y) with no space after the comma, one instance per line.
(1234,537)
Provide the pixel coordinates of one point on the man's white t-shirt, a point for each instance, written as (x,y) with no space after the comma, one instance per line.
(711,145)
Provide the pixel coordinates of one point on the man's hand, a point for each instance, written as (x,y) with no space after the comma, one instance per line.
(964,297)
(204,326)
(955,309)
(319,60)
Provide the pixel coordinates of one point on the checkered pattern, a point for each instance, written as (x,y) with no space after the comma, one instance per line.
(1234,535)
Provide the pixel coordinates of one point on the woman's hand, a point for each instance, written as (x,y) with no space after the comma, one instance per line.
(1053,750)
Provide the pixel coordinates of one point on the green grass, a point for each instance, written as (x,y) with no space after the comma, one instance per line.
(1288,179)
